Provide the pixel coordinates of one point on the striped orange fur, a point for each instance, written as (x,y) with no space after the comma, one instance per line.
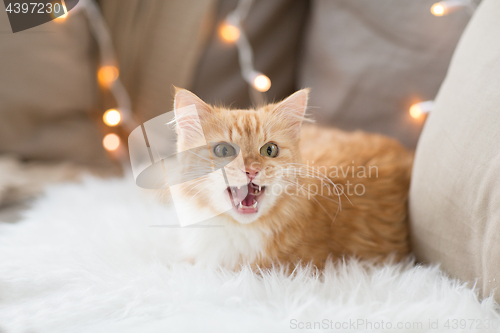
(342,193)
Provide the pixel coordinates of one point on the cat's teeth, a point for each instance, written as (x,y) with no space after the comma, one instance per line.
(257,191)
(241,205)
(239,187)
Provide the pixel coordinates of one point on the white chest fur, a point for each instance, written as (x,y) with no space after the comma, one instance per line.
(225,245)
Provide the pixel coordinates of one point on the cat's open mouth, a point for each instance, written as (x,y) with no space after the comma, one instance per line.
(246,202)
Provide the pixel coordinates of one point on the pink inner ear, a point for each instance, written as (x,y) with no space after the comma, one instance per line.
(185,98)
(189,110)
(293,108)
(189,125)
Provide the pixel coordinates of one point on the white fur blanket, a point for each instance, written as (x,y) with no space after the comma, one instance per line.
(84,259)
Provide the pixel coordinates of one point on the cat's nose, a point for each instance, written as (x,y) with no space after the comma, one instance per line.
(252,173)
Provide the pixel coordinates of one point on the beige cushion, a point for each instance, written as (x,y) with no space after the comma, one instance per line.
(47,91)
(368,61)
(455,190)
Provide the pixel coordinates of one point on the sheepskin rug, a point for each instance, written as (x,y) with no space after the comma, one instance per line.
(85,258)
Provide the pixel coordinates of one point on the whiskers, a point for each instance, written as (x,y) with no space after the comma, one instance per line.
(189,176)
(292,172)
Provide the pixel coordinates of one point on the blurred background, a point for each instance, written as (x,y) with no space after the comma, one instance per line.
(366,61)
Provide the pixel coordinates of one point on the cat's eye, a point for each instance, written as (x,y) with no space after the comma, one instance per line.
(224,150)
(269,150)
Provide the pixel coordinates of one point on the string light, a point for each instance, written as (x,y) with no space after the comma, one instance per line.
(437,9)
(107,75)
(261,82)
(418,110)
(415,111)
(62,18)
(112,117)
(229,32)
(448,6)
(111,142)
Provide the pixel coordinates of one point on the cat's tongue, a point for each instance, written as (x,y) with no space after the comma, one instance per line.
(246,198)
(243,194)
(249,199)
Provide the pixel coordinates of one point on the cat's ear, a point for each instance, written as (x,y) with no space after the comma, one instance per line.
(184,98)
(187,117)
(293,108)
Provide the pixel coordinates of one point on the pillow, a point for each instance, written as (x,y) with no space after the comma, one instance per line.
(368,61)
(47,90)
(455,189)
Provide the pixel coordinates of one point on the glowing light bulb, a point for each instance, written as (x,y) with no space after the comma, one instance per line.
(446,7)
(437,9)
(111,142)
(419,109)
(112,117)
(415,111)
(229,32)
(61,18)
(107,75)
(261,83)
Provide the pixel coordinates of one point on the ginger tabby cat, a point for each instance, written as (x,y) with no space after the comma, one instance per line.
(305,194)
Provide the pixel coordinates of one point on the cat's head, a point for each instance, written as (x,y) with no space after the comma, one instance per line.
(255,148)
